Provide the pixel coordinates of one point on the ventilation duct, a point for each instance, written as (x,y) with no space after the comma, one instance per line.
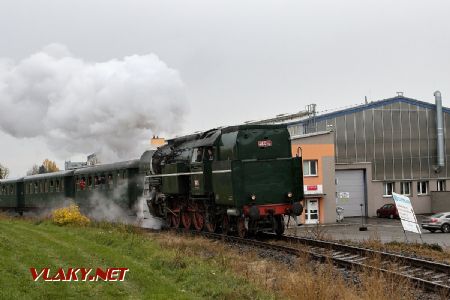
(440,131)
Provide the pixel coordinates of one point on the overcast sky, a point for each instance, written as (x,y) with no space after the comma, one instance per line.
(243,60)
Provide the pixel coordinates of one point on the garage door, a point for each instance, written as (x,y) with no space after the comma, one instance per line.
(350,191)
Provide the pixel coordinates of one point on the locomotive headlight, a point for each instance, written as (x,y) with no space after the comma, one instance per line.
(289,195)
(253,197)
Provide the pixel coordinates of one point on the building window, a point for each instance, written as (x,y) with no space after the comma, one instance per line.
(388,188)
(310,167)
(441,185)
(405,188)
(422,188)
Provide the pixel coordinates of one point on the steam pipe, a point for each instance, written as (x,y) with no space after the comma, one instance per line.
(440,130)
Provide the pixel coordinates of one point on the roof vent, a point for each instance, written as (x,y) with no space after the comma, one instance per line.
(399,94)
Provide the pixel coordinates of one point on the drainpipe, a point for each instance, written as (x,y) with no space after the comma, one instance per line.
(440,132)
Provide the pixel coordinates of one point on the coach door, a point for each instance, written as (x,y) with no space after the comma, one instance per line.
(20,196)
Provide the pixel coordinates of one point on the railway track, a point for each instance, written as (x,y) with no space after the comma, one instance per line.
(424,274)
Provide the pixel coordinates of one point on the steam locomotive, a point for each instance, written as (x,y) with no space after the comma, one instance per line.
(239,179)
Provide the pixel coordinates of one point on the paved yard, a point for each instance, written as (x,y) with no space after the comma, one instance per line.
(384,229)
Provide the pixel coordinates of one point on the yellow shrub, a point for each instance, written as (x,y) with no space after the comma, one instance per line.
(69,215)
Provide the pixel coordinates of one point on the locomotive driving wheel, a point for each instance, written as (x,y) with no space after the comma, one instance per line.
(186,218)
(241,230)
(175,218)
(210,223)
(198,216)
(225,224)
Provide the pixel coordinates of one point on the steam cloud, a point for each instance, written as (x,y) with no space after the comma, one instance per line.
(80,107)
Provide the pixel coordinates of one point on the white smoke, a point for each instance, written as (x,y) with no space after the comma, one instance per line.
(81,107)
(103,208)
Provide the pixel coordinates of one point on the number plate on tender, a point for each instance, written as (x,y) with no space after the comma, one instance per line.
(265,144)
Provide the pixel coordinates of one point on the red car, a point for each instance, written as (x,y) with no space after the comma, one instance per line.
(387,211)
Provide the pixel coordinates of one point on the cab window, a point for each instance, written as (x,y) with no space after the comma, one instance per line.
(209,153)
(197,155)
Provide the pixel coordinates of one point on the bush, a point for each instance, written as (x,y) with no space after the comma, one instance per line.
(69,215)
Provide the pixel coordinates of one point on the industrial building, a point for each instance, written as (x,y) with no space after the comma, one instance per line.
(380,147)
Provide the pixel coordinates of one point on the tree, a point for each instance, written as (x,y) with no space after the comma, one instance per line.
(33,171)
(4,172)
(48,166)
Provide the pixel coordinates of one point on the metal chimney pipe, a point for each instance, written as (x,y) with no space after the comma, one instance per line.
(440,130)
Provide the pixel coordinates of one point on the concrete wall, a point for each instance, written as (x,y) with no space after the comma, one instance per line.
(422,204)
(320,147)
(440,202)
(329,188)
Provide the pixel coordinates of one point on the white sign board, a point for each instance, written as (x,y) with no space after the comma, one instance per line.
(406,213)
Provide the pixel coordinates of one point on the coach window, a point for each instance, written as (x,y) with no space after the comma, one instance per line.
(36,188)
(51,186)
(41,187)
(89,182)
(110,181)
(95,181)
(124,174)
(11,190)
(82,183)
(57,185)
(103,179)
(46,186)
(62,185)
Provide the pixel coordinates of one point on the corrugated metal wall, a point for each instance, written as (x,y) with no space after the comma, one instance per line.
(398,138)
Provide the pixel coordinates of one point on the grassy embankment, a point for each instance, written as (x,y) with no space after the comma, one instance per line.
(166,266)
(155,271)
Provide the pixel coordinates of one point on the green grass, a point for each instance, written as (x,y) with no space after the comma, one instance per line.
(156,271)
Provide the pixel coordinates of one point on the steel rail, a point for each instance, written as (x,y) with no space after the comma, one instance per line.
(394,257)
(320,251)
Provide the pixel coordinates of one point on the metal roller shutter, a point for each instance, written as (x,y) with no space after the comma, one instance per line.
(350,191)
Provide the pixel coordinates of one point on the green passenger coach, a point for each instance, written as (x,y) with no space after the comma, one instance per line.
(11,194)
(117,183)
(47,191)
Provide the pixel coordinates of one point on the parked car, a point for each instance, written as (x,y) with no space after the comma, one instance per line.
(388,211)
(439,221)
